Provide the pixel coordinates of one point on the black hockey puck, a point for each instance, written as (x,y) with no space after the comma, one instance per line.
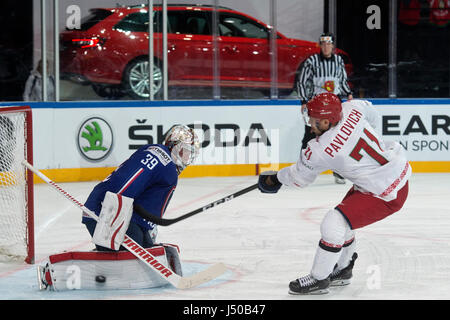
(100,279)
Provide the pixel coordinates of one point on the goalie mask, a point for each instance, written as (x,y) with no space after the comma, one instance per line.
(183,145)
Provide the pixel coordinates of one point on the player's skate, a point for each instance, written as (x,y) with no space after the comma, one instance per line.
(338,178)
(309,285)
(343,277)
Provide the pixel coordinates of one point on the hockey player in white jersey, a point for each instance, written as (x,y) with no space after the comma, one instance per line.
(346,143)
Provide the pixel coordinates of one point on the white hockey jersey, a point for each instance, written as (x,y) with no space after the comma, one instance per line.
(354,150)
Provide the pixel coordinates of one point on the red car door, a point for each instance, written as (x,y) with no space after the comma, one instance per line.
(244,52)
(190,48)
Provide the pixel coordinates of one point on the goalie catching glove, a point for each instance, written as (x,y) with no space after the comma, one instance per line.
(113,221)
(268,182)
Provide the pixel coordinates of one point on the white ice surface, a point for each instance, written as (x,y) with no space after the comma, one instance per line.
(265,240)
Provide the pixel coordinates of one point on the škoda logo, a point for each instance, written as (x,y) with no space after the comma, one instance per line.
(95,139)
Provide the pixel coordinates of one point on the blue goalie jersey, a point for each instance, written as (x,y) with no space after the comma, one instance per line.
(149,176)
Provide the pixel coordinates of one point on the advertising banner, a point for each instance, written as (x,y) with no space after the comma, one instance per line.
(80,136)
(104,137)
(423,130)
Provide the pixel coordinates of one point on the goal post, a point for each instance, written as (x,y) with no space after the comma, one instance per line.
(16,184)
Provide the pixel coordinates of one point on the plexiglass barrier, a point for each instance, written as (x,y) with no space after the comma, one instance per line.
(217,49)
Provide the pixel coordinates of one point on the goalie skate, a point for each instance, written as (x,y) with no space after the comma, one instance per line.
(44,277)
(343,277)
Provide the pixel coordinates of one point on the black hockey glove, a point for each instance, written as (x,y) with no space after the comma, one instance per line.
(268,182)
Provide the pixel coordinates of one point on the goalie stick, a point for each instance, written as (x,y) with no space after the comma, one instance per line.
(167,222)
(142,254)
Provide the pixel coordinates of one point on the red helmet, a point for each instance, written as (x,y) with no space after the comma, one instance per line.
(325,106)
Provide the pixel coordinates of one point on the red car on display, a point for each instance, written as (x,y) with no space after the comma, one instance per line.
(110,51)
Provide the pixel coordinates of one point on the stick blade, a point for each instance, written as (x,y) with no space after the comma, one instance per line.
(202,276)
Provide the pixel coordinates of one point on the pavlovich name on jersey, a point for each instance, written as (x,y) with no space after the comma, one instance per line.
(346,129)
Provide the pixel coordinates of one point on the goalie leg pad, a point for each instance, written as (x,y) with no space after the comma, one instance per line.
(113,221)
(106,270)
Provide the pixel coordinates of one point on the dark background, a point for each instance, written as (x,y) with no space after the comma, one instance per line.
(366,47)
(16,47)
(423,49)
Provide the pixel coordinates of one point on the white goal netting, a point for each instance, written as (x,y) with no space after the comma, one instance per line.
(15,221)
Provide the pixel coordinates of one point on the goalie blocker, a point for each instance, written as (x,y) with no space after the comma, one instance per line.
(106,270)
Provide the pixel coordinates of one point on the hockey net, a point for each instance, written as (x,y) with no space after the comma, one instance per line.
(16,185)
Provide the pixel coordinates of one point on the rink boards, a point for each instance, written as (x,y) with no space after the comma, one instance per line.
(82,141)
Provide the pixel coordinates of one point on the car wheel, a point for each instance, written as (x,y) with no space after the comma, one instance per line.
(136,79)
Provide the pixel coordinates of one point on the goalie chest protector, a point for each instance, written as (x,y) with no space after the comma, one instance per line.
(104,270)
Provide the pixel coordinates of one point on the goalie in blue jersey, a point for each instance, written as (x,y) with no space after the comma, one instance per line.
(147,178)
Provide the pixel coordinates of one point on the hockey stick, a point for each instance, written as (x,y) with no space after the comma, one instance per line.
(167,222)
(142,254)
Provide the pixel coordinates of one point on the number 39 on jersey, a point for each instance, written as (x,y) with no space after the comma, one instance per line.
(149,161)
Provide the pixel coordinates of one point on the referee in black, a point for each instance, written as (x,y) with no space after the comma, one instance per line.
(322,72)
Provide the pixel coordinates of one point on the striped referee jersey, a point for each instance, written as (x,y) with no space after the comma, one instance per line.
(319,74)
